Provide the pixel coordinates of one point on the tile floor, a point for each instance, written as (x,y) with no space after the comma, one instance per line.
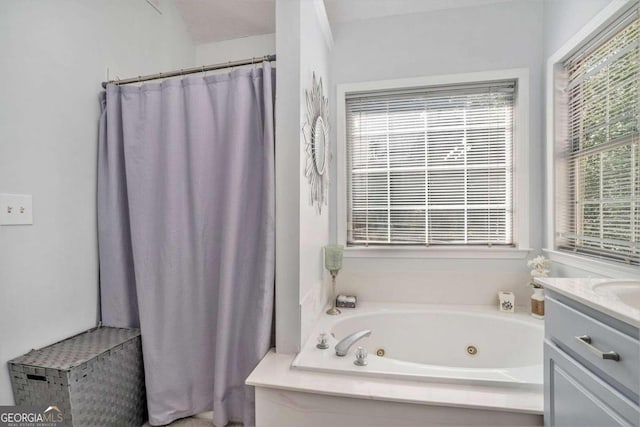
(189,422)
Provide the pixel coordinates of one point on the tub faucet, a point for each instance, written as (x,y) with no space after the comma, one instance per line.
(342,348)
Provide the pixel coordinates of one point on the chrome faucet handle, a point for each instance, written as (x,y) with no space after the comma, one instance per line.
(361,357)
(323,343)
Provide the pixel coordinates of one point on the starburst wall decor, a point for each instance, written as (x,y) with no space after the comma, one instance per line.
(316,137)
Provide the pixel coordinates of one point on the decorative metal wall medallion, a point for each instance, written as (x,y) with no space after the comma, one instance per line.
(316,136)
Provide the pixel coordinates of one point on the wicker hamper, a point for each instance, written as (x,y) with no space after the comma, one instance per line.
(95,378)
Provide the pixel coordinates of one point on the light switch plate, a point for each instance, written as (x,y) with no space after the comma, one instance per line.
(16,209)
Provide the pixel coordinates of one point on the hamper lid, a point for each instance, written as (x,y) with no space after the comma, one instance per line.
(78,349)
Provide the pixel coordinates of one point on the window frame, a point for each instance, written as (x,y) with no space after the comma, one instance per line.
(521,169)
(554,103)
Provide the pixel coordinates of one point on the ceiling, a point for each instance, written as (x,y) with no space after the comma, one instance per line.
(357,10)
(217,20)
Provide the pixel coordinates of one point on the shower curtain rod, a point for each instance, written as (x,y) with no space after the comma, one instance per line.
(202,69)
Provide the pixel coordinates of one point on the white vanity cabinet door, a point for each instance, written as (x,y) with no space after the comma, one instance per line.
(576,397)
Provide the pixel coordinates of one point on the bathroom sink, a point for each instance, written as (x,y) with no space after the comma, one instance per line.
(627,291)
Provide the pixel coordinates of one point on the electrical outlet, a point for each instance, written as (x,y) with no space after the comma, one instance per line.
(16,209)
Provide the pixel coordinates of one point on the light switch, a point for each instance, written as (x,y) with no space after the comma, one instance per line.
(16,209)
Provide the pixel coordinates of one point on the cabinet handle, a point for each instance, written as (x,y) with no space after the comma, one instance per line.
(606,355)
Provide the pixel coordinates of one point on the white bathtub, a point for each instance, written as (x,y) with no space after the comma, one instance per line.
(429,343)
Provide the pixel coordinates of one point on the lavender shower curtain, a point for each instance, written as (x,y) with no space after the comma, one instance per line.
(186,235)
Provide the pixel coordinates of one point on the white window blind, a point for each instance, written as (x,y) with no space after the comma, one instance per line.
(598,208)
(431,166)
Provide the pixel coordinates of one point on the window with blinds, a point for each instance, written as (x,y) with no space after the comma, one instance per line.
(598,208)
(431,166)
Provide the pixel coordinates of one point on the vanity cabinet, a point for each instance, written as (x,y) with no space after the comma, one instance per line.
(592,367)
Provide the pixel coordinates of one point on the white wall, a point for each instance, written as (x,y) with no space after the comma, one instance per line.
(235,49)
(489,37)
(315,48)
(54,56)
(301,48)
(288,118)
(563,18)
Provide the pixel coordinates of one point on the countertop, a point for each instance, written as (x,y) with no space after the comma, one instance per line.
(583,291)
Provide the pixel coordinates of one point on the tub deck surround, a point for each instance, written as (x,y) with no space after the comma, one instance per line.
(419,369)
(584,291)
(430,343)
(275,372)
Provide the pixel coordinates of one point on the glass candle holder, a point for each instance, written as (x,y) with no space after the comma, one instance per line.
(333,263)
(333,257)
